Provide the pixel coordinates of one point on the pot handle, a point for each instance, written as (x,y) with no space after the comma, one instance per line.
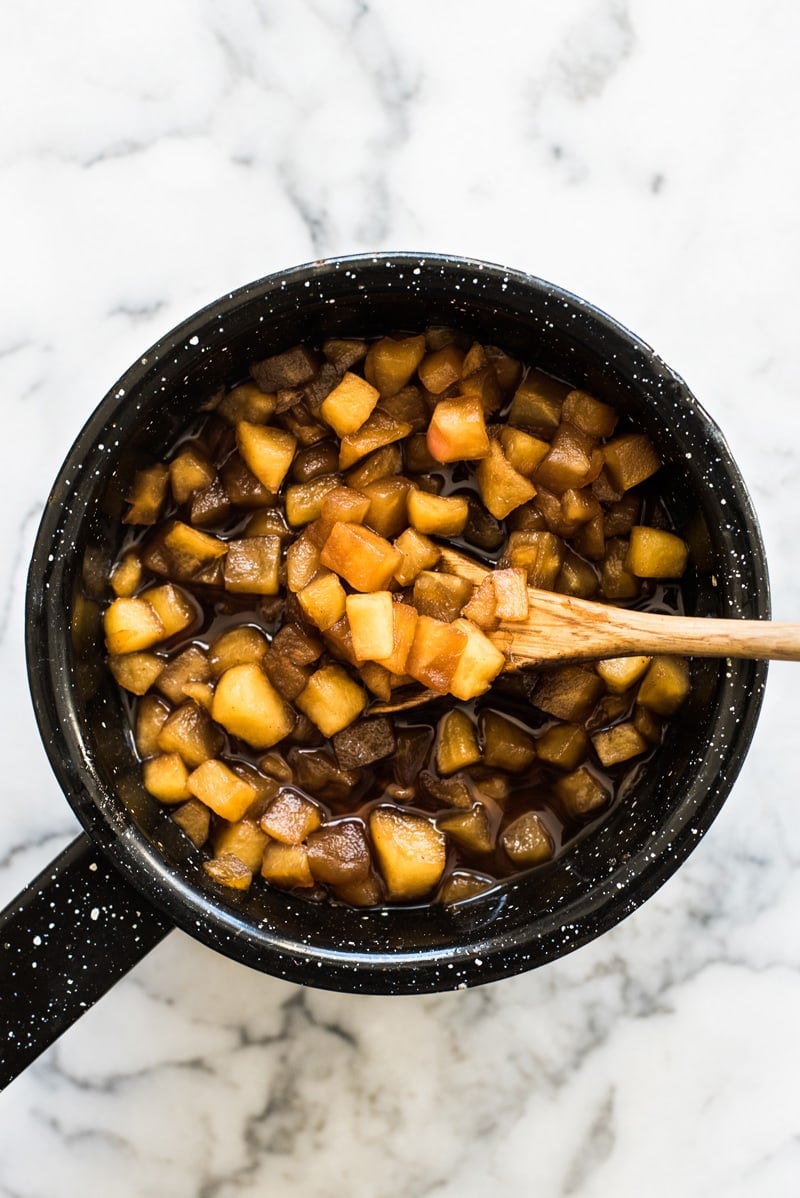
(64,941)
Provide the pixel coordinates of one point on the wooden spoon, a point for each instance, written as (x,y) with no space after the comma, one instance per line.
(562,629)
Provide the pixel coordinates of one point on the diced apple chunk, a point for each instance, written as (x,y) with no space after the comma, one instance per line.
(229,871)
(390,363)
(444,516)
(189,730)
(126,577)
(457,743)
(136,672)
(630,459)
(371,625)
(620,743)
(621,673)
(286,866)
(362,558)
(435,653)
(502,487)
(291,817)
(338,852)
(172,606)
(323,600)
(478,665)
(527,841)
(506,746)
(469,829)
(267,451)
(244,839)
(252,566)
(165,777)
(411,852)
(655,553)
(332,700)
(523,451)
(378,430)
(349,404)
(457,431)
(216,785)
(419,553)
(665,685)
(247,705)
(511,593)
(404,626)
(131,625)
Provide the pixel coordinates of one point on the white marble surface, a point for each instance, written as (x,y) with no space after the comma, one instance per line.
(642,154)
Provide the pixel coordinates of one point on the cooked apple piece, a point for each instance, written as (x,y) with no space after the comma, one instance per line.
(482,384)
(275,766)
(371,625)
(304,500)
(194,818)
(435,653)
(577,508)
(377,679)
(654,553)
(126,577)
(616,580)
(349,404)
(297,644)
(419,553)
(189,731)
(390,363)
(522,451)
(378,430)
(287,678)
(411,851)
(339,642)
(464,884)
(441,595)
(247,705)
(136,672)
(237,647)
(621,515)
(590,540)
(437,514)
(482,607)
(474,359)
(165,777)
(338,852)
(190,471)
(210,507)
(404,627)
(151,715)
(576,577)
(571,461)
(527,841)
(229,871)
(190,666)
(407,406)
(469,829)
(605,713)
(291,817)
(630,459)
(568,693)
(581,792)
(511,593)
(388,499)
(323,600)
(457,742)
(366,892)
(183,552)
(314,461)
(589,414)
(286,866)
(332,700)
(413,745)
(481,529)
(216,785)
(457,431)
(147,495)
(201,693)
(344,352)
(247,402)
(292,368)
(317,772)
(362,558)
(383,463)
(172,606)
(502,487)
(342,505)
(648,724)
(302,563)
(537,404)
(620,743)
(130,626)
(364,743)
(252,566)
(621,673)
(267,451)
(665,685)
(441,368)
(299,421)
(479,664)
(507,369)
(241,486)
(540,554)
(563,745)
(506,746)
(244,839)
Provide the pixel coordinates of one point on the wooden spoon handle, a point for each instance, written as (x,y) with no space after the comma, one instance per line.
(560,628)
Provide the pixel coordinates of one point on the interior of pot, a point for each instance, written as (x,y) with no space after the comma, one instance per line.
(607,872)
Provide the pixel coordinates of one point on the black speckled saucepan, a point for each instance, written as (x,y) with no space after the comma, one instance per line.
(132,875)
